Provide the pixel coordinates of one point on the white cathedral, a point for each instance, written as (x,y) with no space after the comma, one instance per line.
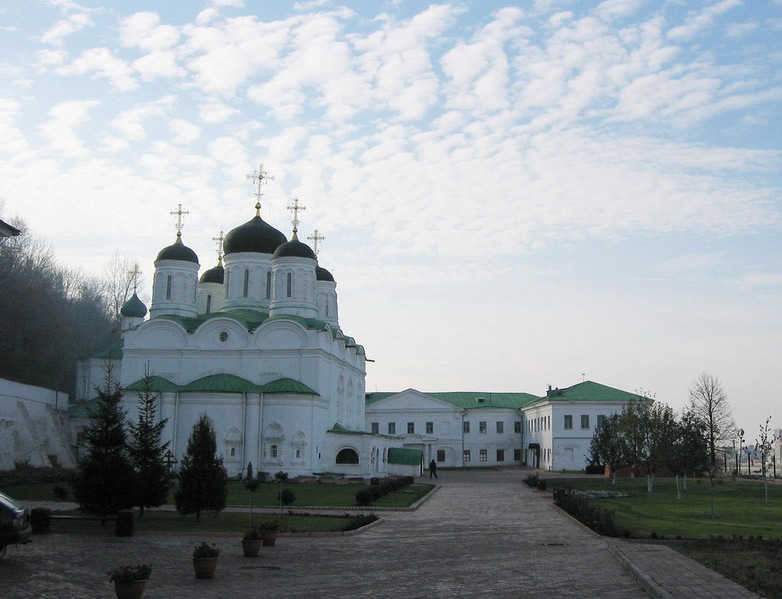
(255,344)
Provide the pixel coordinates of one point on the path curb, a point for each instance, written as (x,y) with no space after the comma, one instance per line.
(648,584)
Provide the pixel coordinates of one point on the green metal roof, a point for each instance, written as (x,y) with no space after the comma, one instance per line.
(220,383)
(112,352)
(402,455)
(588,391)
(286,385)
(341,430)
(470,399)
(157,383)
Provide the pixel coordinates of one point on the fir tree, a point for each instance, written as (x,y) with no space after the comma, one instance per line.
(146,451)
(203,483)
(105,474)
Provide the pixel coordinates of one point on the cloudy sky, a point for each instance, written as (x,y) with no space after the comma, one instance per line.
(512,194)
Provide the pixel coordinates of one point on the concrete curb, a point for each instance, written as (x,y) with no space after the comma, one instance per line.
(648,584)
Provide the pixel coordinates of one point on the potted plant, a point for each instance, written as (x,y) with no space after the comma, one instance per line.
(269,530)
(205,559)
(129,581)
(251,542)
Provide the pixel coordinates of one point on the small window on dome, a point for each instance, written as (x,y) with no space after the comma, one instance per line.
(268,284)
(290,284)
(208,304)
(168,287)
(246,283)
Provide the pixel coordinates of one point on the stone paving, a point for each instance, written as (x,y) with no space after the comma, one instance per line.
(482,534)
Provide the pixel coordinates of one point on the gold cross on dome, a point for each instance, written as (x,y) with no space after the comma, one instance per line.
(259,178)
(134,274)
(219,241)
(296,208)
(179,213)
(315,238)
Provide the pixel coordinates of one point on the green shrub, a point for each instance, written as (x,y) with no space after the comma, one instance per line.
(286,497)
(364,496)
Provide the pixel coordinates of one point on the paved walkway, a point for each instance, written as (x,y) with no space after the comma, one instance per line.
(482,534)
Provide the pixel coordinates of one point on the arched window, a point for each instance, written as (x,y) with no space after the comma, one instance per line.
(208,304)
(168,287)
(233,452)
(290,284)
(347,456)
(227,281)
(268,284)
(274,451)
(246,287)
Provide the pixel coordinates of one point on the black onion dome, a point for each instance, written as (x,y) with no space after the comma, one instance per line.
(255,235)
(322,274)
(214,275)
(178,251)
(133,308)
(294,249)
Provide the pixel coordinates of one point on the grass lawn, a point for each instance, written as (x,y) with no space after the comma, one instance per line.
(739,507)
(327,495)
(168,521)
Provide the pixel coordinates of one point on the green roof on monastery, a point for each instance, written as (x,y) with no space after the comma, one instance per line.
(111,352)
(156,383)
(588,391)
(341,430)
(224,383)
(470,399)
(402,455)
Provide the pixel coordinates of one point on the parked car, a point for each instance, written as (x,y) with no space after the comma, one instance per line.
(14,524)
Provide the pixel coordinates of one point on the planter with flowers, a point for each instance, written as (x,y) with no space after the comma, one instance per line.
(269,530)
(129,581)
(251,542)
(205,559)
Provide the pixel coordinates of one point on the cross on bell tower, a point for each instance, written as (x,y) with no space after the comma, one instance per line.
(179,213)
(259,178)
(219,242)
(296,208)
(315,238)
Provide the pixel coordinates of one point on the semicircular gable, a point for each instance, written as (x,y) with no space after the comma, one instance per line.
(158,333)
(221,333)
(281,334)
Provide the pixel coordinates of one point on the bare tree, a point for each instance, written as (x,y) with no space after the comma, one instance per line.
(765,443)
(710,405)
(119,284)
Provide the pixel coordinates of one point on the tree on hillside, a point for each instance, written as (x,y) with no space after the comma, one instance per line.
(104,481)
(146,451)
(710,404)
(119,284)
(608,446)
(203,483)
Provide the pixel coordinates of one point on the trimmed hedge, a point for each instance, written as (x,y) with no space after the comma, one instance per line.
(598,519)
(373,492)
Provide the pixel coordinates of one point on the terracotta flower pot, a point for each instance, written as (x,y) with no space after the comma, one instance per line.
(204,566)
(129,590)
(269,537)
(251,547)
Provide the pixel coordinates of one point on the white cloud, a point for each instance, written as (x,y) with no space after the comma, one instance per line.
(12,140)
(158,64)
(60,131)
(214,111)
(51,58)
(184,132)
(102,64)
(143,30)
(703,19)
(66,27)
(736,30)
(131,123)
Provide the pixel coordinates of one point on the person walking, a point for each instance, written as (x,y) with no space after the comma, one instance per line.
(432,469)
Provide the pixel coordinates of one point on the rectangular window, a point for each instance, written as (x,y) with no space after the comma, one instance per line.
(290,285)
(268,285)
(392,428)
(500,455)
(208,304)
(517,455)
(168,287)
(568,421)
(466,455)
(484,456)
(375,428)
(585,421)
(430,428)
(466,426)
(517,426)
(411,428)
(440,455)
(246,286)
(500,427)
(601,419)
(482,426)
